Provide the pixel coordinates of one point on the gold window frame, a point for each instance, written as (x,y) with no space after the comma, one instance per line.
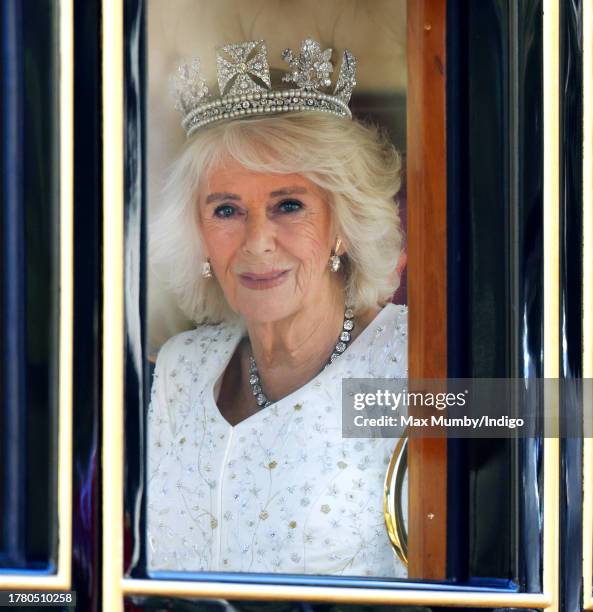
(61,579)
(115,585)
(587,298)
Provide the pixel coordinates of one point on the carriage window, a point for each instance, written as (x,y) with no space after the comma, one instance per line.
(269,263)
(35,293)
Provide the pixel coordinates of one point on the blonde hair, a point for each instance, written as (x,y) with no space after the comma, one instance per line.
(354,163)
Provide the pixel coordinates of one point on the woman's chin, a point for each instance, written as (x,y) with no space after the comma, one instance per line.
(267,306)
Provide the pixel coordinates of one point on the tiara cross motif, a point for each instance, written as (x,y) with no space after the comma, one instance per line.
(248,62)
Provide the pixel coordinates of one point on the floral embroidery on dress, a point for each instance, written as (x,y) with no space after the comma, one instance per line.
(281,491)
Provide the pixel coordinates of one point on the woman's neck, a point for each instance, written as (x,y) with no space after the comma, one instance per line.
(290,352)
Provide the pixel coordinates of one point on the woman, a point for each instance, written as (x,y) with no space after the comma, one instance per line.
(291,221)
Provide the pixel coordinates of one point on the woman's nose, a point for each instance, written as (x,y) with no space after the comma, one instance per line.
(259,235)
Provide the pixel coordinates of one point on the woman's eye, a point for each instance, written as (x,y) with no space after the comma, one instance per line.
(224,211)
(289,206)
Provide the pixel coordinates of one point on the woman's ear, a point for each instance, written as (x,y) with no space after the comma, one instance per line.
(401,262)
(396,273)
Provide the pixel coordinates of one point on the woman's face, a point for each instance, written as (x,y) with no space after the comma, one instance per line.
(269,238)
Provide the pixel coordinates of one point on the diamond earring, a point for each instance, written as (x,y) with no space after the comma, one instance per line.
(334,261)
(206,270)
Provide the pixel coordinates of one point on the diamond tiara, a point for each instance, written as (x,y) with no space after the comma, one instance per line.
(246,89)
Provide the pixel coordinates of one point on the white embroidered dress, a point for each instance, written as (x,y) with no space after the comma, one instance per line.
(281,491)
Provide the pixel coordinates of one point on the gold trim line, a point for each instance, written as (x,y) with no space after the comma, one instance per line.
(551,92)
(334,594)
(113,302)
(66,290)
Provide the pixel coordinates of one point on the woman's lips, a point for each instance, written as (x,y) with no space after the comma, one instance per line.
(267,280)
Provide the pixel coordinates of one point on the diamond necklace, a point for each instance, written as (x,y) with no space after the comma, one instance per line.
(341,344)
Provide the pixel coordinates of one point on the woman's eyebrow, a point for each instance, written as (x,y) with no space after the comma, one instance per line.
(286,191)
(215,197)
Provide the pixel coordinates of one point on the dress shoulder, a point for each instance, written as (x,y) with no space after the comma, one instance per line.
(184,366)
(195,344)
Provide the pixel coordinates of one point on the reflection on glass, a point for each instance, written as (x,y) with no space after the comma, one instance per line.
(29,277)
